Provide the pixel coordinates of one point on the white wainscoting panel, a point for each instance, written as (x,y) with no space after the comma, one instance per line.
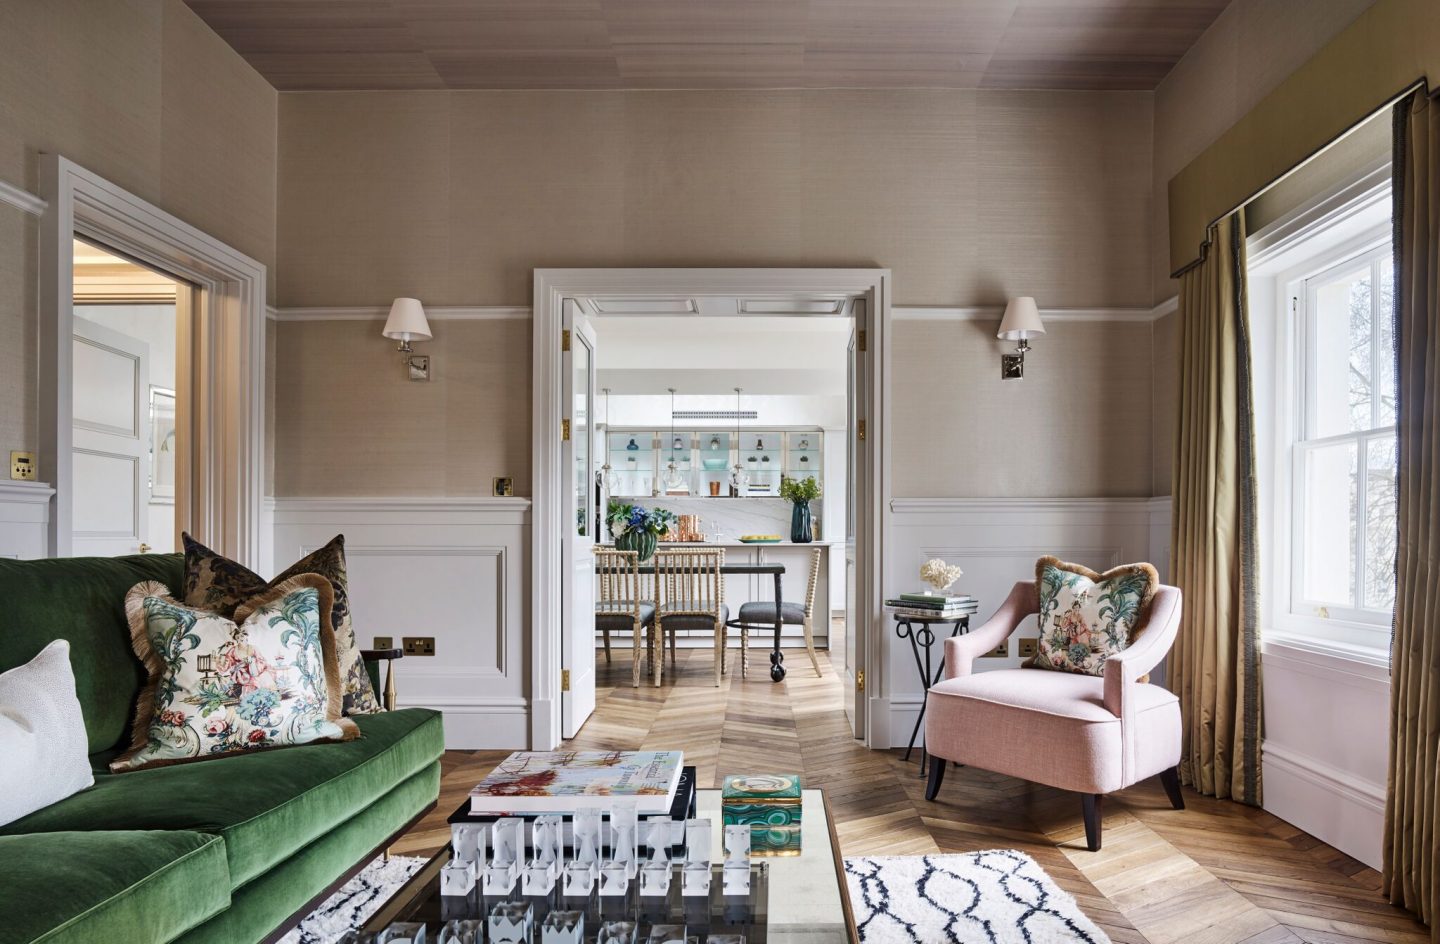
(24,514)
(454,569)
(1326,749)
(996,541)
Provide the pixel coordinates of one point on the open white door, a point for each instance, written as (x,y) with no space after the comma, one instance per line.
(577,562)
(110,448)
(854,434)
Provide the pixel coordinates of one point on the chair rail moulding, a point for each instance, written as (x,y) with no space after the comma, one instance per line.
(899,313)
(379,313)
(21,199)
(24,514)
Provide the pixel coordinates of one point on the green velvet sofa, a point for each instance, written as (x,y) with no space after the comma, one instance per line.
(224,851)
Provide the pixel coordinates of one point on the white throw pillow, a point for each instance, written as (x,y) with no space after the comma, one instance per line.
(42,734)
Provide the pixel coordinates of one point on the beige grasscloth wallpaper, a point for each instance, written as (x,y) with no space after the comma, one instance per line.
(144,94)
(969,196)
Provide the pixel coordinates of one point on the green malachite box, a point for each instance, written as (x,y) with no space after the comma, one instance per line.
(770,805)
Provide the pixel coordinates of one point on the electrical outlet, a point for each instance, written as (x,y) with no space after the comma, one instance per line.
(1001,651)
(503,486)
(22,466)
(384,642)
(1029,646)
(418,645)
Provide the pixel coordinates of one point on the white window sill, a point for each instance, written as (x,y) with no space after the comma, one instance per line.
(1358,659)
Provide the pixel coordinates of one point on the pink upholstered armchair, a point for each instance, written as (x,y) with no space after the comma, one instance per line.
(1076,732)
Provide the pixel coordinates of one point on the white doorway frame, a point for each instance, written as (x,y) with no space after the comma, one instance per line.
(224,488)
(551,287)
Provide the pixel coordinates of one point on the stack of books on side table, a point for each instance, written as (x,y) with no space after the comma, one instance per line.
(933,605)
(770,805)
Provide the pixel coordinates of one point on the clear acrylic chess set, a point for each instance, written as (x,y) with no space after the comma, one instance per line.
(620,880)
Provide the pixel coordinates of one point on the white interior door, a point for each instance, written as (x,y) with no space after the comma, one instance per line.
(110,449)
(577,633)
(854,446)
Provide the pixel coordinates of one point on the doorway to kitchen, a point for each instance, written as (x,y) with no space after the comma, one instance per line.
(642,332)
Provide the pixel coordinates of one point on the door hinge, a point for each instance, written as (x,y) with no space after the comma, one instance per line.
(860,681)
(565,430)
(565,340)
(861,340)
(860,429)
(564,680)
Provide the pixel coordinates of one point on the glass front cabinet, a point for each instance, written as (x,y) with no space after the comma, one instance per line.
(640,461)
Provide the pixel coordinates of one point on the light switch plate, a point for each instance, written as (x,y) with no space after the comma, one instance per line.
(503,487)
(384,642)
(22,466)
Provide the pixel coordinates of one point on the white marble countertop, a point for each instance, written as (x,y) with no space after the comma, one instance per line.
(729,542)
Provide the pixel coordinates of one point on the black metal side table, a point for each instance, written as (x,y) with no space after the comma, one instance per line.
(918,630)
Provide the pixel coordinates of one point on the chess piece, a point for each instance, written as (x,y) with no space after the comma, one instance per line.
(618,932)
(695,874)
(458,891)
(737,860)
(404,932)
(503,869)
(667,934)
(545,850)
(583,869)
(511,922)
(655,874)
(467,843)
(465,931)
(563,927)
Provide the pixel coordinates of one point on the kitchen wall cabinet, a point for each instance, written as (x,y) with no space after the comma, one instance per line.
(639,459)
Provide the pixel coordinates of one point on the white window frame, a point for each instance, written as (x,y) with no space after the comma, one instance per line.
(1364,631)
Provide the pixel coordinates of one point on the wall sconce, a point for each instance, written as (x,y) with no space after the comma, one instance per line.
(1021,322)
(407,323)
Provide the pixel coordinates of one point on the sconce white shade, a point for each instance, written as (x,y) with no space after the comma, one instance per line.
(407,321)
(1021,321)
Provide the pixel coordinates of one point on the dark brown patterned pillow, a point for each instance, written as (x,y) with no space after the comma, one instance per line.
(215,583)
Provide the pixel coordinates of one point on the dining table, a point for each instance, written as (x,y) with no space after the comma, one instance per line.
(777,570)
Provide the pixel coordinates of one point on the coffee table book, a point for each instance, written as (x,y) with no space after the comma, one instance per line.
(564,781)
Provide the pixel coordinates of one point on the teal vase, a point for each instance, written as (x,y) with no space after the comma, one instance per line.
(801,524)
(636,540)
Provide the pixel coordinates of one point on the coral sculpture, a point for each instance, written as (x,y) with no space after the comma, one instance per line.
(939,574)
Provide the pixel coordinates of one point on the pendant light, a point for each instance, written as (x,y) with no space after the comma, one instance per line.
(608,478)
(739,478)
(672,480)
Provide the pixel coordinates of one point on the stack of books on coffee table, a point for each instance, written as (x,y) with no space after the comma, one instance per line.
(932,605)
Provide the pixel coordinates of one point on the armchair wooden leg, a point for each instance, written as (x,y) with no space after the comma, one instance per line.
(1091,804)
(937,775)
(1171,779)
(607,646)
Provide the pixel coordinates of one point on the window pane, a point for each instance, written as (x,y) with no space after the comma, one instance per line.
(1330,517)
(1381,506)
(1385,338)
(1342,378)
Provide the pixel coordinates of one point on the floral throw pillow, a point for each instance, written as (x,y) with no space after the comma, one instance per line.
(217,686)
(1086,617)
(216,583)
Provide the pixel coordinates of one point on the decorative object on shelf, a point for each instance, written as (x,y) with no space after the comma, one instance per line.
(636,529)
(714,442)
(939,574)
(804,444)
(714,489)
(714,464)
(804,460)
(608,478)
(759,444)
(800,493)
(407,323)
(1021,322)
(770,805)
(739,478)
(672,480)
(630,446)
(759,539)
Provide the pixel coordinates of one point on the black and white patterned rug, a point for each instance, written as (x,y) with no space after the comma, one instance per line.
(995,897)
(356,901)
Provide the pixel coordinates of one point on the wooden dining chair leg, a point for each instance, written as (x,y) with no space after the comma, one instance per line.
(744,649)
(719,651)
(809,626)
(606,634)
(638,654)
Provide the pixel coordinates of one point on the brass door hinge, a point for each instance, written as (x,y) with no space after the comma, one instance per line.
(860,430)
(860,681)
(565,340)
(565,430)
(564,680)
(861,341)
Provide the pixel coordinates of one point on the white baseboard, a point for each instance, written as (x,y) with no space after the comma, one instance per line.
(24,516)
(1334,805)
(479,723)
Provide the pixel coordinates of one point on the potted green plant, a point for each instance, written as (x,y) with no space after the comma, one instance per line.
(638,529)
(800,493)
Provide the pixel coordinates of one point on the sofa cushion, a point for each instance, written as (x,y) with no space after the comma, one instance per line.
(1071,740)
(109,886)
(265,805)
(42,734)
(1086,617)
(82,599)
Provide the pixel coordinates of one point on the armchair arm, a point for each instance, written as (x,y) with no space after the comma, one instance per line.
(372,659)
(962,651)
(1123,670)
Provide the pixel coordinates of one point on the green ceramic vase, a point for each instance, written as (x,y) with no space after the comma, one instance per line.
(639,540)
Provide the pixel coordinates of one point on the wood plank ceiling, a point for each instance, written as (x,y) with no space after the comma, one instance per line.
(710,44)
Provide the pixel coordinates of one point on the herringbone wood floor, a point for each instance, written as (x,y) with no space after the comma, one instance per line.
(1215,873)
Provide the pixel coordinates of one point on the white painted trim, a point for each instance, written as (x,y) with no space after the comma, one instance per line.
(222,397)
(933,506)
(1331,662)
(903,313)
(1341,783)
(21,199)
(25,493)
(436,313)
(406,504)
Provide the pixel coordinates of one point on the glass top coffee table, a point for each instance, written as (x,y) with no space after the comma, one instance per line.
(804,899)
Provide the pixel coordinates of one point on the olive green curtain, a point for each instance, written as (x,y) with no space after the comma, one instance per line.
(1214,667)
(1413,789)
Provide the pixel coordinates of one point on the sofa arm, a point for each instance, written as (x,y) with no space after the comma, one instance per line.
(373,658)
(962,651)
